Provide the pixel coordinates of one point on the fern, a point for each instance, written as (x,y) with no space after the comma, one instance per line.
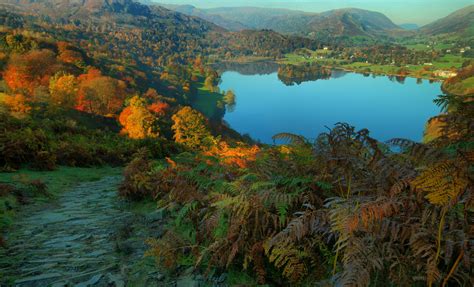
(287,257)
(290,138)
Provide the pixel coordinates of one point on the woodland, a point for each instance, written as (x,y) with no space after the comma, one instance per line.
(116,87)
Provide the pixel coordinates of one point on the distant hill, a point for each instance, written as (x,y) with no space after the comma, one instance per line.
(351,22)
(254,17)
(334,23)
(409,26)
(460,22)
(203,14)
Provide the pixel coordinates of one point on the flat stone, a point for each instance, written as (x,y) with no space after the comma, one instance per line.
(38,278)
(156,215)
(94,280)
(187,281)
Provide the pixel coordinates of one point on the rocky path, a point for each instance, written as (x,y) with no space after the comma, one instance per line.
(85,238)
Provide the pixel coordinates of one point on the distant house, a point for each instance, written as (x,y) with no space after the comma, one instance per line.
(462,50)
(326,48)
(445,74)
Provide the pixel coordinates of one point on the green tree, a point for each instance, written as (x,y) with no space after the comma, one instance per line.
(191,129)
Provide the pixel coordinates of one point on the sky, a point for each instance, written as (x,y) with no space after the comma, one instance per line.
(400,11)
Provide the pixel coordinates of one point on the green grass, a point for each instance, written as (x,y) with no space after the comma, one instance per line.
(448,61)
(206,102)
(61,178)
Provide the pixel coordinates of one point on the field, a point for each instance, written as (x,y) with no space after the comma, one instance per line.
(207,101)
(419,71)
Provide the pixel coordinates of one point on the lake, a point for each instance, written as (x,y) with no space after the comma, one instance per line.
(266,106)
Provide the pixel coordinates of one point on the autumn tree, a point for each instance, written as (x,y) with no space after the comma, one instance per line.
(190,128)
(137,120)
(63,89)
(229,97)
(69,54)
(209,83)
(17,105)
(158,108)
(99,94)
(28,71)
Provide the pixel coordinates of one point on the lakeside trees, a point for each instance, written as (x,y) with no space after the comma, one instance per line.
(191,129)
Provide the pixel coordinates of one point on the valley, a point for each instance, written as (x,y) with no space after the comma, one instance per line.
(160,144)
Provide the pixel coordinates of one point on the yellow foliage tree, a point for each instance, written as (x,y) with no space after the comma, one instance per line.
(17,105)
(190,128)
(137,121)
(63,90)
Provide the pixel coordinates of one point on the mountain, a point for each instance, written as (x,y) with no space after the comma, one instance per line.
(254,17)
(409,26)
(203,14)
(148,36)
(136,34)
(460,22)
(350,22)
(334,23)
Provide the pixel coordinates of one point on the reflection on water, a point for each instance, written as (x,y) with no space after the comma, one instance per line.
(388,107)
(258,68)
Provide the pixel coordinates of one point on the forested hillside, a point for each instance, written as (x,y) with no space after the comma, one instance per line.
(114,83)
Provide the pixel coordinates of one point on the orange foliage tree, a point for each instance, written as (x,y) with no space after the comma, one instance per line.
(137,121)
(100,94)
(28,71)
(239,156)
(158,108)
(17,105)
(69,54)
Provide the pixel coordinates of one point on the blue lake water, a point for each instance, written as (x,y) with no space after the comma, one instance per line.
(389,109)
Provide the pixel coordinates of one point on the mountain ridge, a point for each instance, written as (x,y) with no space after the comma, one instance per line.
(338,22)
(460,22)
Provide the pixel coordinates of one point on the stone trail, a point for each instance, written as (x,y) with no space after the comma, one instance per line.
(71,242)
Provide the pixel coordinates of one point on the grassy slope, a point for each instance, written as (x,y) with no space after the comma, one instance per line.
(206,101)
(62,178)
(463,88)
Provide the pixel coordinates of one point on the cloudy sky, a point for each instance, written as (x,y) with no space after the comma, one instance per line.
(400,11)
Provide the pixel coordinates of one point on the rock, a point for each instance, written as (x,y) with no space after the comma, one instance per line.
(94,280)
(222,278)
(156,215)
(60,284)
(38,278)
(188,271)
(187,281)
(115,280)
(160,277)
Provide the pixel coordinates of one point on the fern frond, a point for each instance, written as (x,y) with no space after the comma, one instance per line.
(287,257)
(290,138)
(442,182)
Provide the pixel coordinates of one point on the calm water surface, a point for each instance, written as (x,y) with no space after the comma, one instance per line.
(389,109)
